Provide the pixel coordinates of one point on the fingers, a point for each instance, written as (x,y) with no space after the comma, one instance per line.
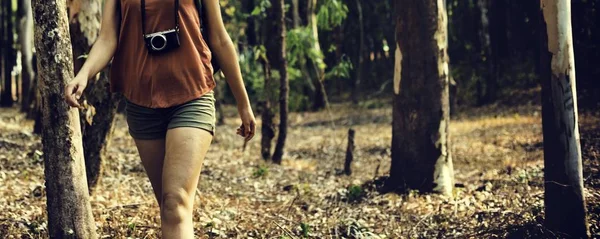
(73,93)
(251,131)
(247,131)
(69,95)
(79,92)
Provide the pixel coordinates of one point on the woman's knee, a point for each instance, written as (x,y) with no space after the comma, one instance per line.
(175,206)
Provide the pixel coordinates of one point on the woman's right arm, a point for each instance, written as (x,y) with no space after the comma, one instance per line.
(101,53)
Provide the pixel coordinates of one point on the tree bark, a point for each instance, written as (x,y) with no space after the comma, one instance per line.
(252,38)
(491,76)
(361,54)
(9,55)
(26,39)
(279,57)
(349,153)
(320,98)
(564,200)
(2,40)
(498,28)
(267,116)
(96,125)
(421,157)
(69,210)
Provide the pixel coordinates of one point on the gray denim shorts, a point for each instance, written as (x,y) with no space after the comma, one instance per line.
(150,123)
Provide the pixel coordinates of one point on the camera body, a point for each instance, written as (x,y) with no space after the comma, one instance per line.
(163,41)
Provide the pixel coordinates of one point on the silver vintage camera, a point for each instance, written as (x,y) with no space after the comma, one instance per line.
(164,41)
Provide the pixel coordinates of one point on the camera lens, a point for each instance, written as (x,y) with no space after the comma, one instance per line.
(158,42)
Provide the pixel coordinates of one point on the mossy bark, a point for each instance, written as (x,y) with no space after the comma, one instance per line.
(68,205)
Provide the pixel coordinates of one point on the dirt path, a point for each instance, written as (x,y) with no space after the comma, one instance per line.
(497,156)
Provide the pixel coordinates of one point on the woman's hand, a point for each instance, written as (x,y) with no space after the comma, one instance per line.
(74,90)
(248,127)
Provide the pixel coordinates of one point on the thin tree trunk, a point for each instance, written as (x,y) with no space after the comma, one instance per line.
(97,126)
(309,88)
(267,113)
(69,209)
(564,199)
(279,55)
(361,54)
(349,153)
(267,116)
(2,43)
(498,48)
(9,55)
(421,157)
(296,13)
(484,38)
(251,32)
(26,39)
(320,98)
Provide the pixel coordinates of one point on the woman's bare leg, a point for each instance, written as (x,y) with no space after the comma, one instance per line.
(185,151)
(152,153)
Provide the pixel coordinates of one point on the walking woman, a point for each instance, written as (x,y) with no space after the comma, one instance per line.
(162,65)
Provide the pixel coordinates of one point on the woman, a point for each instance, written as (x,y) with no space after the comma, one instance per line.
(167,79)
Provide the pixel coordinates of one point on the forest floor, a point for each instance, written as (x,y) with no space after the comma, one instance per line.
(498,162)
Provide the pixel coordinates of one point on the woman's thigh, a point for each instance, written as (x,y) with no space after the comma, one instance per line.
(152,153)
(186,148)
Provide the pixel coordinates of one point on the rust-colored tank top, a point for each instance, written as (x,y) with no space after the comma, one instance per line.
(161,81)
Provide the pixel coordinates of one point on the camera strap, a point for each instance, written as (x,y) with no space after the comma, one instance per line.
(143,9)
(201,14)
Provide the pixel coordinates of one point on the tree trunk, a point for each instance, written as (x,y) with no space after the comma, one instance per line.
(361,54)
(267,111)
(252,38)
(26,39)
(564,199)
(9,55)
(2,39)
(421,157)
(349,153)
(490,76)
(320,97)
(498,48)
(267,116)
(278,51)
(97,126)
(69,210)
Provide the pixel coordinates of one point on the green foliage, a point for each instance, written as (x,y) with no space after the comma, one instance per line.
(261,9)
(260,172)
(132,226)
(300,45)
(331,14)
(340,71)
(252,70)
(305,229)
(355,193)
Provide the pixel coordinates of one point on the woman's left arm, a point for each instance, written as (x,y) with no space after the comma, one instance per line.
(224,51)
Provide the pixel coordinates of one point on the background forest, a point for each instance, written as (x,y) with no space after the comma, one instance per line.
(321,77)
